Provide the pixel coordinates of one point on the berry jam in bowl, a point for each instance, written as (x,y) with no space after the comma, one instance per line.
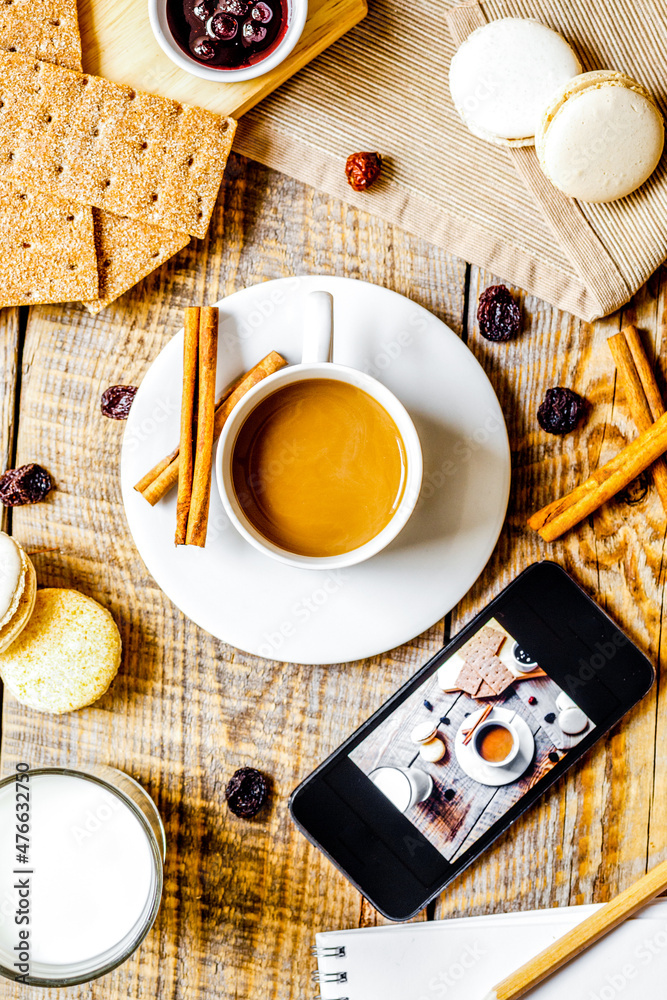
(227,40)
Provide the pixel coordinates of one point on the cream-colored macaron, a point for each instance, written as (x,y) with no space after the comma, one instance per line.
(433,751)
(601,137)
(18,586)
(66,656)
(423,732)
(504,74)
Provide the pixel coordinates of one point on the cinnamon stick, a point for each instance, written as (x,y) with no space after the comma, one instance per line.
(561,515)
(159,480)
(638,382)
(197,520)
(645,371)
(469,733)
(188,409)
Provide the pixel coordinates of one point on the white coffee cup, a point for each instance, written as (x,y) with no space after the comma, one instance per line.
(316,363)
(491,723)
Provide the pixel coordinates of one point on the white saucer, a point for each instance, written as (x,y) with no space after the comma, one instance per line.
(477,769)
(307,616)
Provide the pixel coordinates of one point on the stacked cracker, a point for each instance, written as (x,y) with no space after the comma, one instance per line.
(484,675)
(99,185)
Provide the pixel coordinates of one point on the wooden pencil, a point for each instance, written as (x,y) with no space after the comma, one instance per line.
(581,937)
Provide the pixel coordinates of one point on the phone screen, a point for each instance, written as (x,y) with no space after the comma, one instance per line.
(472,740)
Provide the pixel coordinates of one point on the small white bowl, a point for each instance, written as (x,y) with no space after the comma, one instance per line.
(296,19)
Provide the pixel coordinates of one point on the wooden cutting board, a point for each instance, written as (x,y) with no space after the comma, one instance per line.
(118,43)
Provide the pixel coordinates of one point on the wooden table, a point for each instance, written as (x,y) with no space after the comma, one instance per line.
(243,899)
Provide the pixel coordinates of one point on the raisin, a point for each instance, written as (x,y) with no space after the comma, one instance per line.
(28,484)
(362,170)
(445,721)
(550,717)
(560,410)
(498,314)
(246,792)
(553,757)
(449,794)
(428,706)
(117,400)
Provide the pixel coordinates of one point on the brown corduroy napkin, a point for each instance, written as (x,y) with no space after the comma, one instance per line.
(384,86)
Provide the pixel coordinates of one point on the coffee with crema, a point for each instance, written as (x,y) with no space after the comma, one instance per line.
(319,467)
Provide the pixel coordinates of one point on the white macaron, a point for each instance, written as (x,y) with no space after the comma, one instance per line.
(601,137)
(503,76)
(18,587)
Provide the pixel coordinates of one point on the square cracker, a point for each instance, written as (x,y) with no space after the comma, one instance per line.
(489,640)
(44,29)
(83,138)
(494,672)
(47,249)
(469,680)
(127,251)
(485,691)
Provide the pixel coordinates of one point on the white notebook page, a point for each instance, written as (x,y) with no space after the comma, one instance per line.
(463,959)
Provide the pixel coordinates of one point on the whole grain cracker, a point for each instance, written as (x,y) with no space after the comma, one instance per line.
(494,672)
(468,680)
(47,249)
(488,638)
(44,29)
(86,139)
(40,238)
(128,250)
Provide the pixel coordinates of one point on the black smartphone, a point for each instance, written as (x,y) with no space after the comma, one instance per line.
(471,741)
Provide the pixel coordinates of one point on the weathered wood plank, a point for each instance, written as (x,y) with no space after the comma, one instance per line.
(242,899)
(9,350)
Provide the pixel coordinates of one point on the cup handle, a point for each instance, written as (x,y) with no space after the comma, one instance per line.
(318,328)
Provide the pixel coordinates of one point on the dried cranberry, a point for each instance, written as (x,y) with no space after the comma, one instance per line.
(222,26)
(362,170)
(560,410)
(498,314)
(261,12)
(235,7)
(532,700)
(246,792)
(117,400)
(253,32)
(203,48)
(27,484)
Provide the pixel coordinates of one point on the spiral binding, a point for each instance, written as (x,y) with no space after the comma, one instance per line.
(337,951)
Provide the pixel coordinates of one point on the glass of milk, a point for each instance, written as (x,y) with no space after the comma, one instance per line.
(81,867)
(403,786)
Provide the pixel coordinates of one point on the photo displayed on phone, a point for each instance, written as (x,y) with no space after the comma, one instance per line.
(472,740)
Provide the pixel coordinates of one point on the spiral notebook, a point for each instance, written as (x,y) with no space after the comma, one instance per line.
(463,959)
